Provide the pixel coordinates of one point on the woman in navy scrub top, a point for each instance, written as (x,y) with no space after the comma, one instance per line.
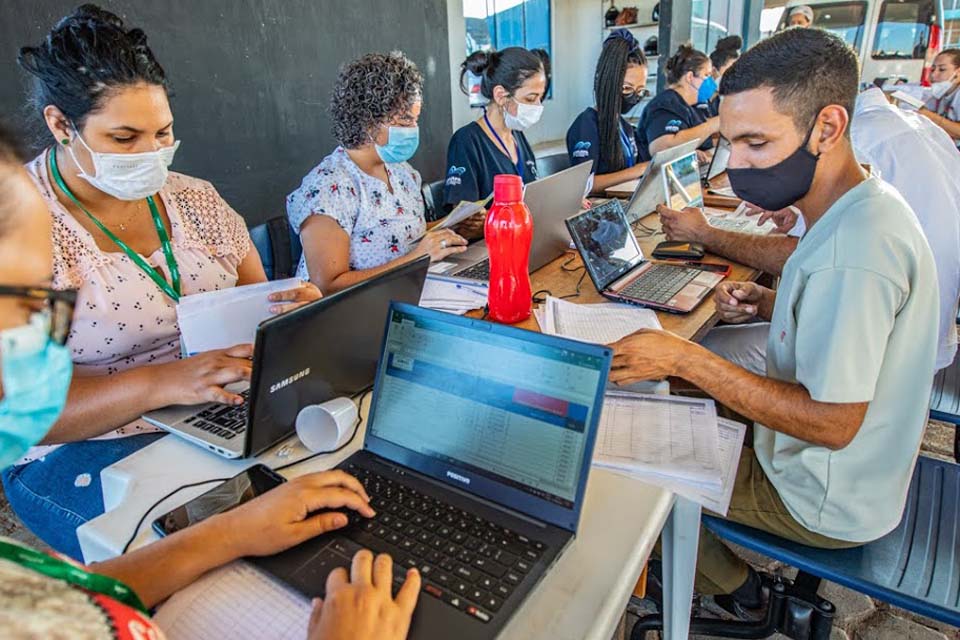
(514,81)
(601,133)
(672,117)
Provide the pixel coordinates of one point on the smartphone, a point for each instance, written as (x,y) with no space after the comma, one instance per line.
(241,488)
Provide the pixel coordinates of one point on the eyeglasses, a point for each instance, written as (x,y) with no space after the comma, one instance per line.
(57,305)
(639,93)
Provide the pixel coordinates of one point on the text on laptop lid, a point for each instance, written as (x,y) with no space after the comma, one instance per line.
(506,414)
(607,244)
(681,182)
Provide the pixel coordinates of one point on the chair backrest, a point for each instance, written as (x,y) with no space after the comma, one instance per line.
(433,200)
(279,247)
(549,165)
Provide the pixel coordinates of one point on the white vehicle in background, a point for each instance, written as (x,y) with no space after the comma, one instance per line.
(896,40)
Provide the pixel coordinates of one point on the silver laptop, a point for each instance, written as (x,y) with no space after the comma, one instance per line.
(551,201)
(718,164)
(649,192)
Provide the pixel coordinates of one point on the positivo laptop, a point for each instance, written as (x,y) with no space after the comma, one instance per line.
(476,457)
(649,192)
(550,200)
(618,269)
(326,349)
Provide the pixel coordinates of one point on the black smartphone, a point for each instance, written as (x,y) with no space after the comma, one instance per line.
(241,488)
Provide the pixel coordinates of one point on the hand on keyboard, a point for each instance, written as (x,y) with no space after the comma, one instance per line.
(200,379)
(285,516)
(361,606)
(648,354)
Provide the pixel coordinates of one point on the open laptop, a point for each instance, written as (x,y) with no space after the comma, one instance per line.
(718,163)
(323,350)
(619,271)
(476,457)
(649,192)
(551,200)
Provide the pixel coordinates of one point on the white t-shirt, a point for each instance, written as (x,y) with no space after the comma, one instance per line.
(855,321)
(918,158)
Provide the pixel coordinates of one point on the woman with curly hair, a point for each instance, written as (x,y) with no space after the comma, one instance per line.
(360,212)
(132,238)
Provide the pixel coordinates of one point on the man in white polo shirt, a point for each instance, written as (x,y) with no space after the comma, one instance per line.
(905,150)
(850,355)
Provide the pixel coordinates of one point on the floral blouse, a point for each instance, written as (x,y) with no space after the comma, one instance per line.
(381,225)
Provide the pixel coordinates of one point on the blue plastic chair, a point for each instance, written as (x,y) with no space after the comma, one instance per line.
(915,567)
(433,200)
(945,400)
(279,247)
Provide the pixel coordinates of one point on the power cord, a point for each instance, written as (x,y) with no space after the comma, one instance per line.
(356,427)
(540,297)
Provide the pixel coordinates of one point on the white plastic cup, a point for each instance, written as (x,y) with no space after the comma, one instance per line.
(327,426)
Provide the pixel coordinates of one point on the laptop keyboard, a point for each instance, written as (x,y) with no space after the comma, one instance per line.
(660,283)
(226,421)
(469,563)
(479,271)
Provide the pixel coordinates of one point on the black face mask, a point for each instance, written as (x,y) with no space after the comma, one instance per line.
(628,102)
(779,186)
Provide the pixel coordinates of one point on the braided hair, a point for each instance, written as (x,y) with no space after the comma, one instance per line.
(620,50)
(86,57)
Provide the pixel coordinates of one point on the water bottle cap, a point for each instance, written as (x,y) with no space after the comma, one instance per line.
(507,188)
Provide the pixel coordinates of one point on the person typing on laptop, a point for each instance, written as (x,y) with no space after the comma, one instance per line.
(45,596)
(908,152)
(852,345)
(132,238)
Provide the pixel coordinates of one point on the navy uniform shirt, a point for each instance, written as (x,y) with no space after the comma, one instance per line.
(669,113)
(583,142)
(472,161)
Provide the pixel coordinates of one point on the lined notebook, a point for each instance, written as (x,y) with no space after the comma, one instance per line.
(235,601)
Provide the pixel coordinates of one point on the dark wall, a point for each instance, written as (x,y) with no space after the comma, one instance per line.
(251,79)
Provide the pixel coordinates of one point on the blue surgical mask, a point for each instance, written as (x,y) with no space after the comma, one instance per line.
(707,89)
(402,143)
(36,376)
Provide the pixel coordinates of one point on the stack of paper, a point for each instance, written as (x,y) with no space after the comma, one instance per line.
(603,323)
(673,442)
(453,296)
(460,213)
(228,317)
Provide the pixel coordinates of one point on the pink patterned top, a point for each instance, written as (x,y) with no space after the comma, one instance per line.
(122,320)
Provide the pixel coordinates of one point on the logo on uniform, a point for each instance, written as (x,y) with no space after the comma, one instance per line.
(453,175)
(581,149)
(673,126)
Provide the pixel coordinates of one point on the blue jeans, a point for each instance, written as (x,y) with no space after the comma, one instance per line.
(57,494)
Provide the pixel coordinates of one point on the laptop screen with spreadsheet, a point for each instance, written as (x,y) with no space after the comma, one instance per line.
(482,405)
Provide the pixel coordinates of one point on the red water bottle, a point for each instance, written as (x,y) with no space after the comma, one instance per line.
(509,232)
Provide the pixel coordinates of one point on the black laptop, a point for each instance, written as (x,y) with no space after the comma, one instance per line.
(321,351)
(476,456)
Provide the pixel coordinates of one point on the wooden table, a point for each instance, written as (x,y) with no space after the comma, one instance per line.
(692,326)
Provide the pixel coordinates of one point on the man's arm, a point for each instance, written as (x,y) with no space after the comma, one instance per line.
(782,406)
(768,253)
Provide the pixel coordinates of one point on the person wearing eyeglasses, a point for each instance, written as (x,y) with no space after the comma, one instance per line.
(601,133)
(360,211)
(132,238)
(46,596)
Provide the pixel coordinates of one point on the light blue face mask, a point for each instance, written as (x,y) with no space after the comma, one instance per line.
(36,376)
(707,88)
(402,143)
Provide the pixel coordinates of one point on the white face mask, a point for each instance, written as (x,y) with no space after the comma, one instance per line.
(527,116)
(940,89)
(127,176)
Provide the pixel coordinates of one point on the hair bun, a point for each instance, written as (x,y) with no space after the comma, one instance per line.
(478,62)
(730,43)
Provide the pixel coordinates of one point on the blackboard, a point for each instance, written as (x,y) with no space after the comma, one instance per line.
(251,80)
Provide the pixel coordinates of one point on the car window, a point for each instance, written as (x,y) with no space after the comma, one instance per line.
(903,30)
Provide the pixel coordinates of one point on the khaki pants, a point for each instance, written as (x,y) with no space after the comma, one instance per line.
(757,504)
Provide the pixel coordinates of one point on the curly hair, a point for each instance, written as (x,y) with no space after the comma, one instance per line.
(369,92)
(85,57)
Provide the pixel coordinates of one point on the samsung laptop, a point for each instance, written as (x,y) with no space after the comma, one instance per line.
(326,349)
(618,269)
(649,191)
(551,200)
(476,456)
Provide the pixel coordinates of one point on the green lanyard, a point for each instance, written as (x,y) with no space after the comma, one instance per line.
(59,570)
(174,291)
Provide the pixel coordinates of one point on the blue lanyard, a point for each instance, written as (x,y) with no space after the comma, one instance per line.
(627,148)
(504,147)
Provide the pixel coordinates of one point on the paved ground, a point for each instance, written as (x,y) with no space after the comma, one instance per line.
(858,617)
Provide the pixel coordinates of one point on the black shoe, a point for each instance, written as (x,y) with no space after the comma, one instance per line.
(748,602)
